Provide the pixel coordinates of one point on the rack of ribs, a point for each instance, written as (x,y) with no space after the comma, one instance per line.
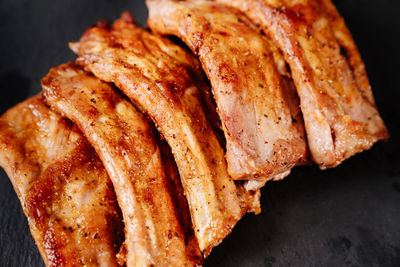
(126,144)
(338,107)
(165,81)
(285,80)
(257,105)
(63,187)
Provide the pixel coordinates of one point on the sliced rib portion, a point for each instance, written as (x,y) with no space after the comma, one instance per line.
(63,187)
(176,191)
(126,144)
(339,111)
(164,81)
(263,129)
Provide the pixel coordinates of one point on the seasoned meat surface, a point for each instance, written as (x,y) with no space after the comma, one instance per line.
(339,111)
(258,107)
(127,146)
(63,187)
(165,81)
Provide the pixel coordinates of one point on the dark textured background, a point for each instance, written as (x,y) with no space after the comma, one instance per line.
(348,216)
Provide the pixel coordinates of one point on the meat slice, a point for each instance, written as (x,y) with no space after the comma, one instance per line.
(63,187)
(126,144)
(258,107)
(164,81)
(339,111)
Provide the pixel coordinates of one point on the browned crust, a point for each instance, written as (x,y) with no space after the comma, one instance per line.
(264,134)
(340,115)
(126,144)
(42,179)
(164,81)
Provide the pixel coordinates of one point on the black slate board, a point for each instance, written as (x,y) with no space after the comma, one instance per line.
(348,216)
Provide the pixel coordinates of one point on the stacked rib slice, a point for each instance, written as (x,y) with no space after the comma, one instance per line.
(120,160)
(63,187)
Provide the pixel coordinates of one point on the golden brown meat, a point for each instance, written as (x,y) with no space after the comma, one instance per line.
(258,108)
(164,80)
(63,187)
(126,144)
(339,111)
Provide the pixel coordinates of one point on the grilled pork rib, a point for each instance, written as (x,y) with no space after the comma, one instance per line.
(126,144)
(63,187)
(339,111)
(263,128)
(164,81)
(67,189)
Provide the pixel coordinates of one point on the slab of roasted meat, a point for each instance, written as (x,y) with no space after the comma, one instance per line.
(63,187)
(125,142)
(164,81)
(339,111)
(258,107)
